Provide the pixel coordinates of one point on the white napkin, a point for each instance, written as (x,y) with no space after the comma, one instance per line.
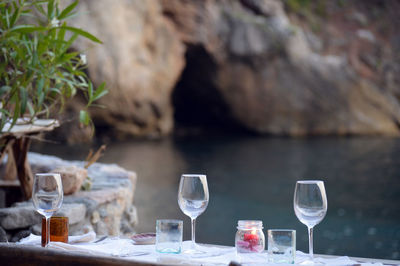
(339,261)
(206,250)
(211,255)
(344,261)
(259,259)
(121,247)
(37,240)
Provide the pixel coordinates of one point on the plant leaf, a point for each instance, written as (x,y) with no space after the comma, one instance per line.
(40,100)
(40,8)
(31,109)
(15,16)
(4,89)
(68,10)
(55,90)
(26,28)
(24,99)
(84,117)
(7,19)
(50,9)
(4,118)
(61,33)
(82,33)
(100,92)
(16,112)
(90,91)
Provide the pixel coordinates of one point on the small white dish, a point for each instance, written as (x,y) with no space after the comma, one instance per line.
(144,239)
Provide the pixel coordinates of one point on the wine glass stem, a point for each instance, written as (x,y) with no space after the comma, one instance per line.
(47,231)
(193,232)
(310,243)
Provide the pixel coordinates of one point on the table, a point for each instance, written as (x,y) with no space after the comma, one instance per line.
(17,255)
(24,255)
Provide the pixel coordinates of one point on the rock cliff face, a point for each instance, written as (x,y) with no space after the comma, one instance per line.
(272,81)
(253,62)
(141,60)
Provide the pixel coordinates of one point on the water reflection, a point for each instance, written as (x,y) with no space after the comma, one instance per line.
(254,178)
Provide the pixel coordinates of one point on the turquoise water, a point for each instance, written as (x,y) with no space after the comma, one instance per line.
(254,178)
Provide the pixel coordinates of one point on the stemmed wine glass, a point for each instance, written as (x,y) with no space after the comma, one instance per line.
(310,206)
(193,200)
(47,196)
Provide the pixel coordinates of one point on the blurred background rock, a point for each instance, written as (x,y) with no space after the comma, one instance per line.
(290,67)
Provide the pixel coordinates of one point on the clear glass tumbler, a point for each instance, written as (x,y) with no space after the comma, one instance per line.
(169,236)
(281,246)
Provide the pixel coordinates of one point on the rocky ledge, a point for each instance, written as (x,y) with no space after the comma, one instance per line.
(107,208)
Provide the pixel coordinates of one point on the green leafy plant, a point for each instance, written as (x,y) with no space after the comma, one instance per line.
(38,70)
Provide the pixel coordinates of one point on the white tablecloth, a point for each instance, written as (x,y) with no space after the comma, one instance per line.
(213,255)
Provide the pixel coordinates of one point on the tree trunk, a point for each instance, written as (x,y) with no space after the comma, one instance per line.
(25,176)
(11,168)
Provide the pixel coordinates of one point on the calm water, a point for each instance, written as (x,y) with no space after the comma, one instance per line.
(254,178)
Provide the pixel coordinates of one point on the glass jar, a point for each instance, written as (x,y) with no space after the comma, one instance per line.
(249,237)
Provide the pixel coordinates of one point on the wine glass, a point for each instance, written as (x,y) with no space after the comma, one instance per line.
(193,200)
(310,206)
(47,196)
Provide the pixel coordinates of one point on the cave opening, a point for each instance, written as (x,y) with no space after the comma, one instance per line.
(199,106)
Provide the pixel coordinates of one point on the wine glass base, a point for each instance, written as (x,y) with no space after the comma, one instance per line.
(307,262)
(193,250)
(310,262)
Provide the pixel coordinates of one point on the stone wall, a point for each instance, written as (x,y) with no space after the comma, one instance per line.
(107,208)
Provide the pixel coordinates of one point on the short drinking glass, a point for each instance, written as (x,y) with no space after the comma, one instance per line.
(169,236)
(281,246)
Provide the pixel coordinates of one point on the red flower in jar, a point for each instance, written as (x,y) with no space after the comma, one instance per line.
(251,238)
(251,242)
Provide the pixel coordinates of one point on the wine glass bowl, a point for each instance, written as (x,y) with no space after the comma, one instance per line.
(47,196)
(310,205)
(193,198)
